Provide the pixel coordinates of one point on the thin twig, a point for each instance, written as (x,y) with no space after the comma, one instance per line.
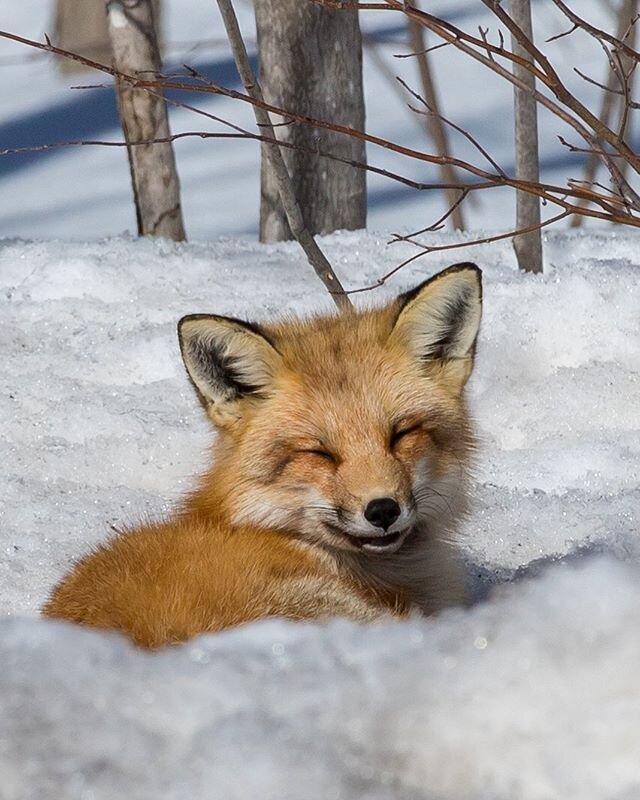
(385,173)
(436,226)
(452,125)
(456,246)
(561,35)
(595,32)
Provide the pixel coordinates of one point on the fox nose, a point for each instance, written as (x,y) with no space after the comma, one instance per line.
(382,512)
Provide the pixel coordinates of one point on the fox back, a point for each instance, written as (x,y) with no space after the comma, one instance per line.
(338,479)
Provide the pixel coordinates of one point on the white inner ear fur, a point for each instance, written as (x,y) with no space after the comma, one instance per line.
(225,359)
(442,320)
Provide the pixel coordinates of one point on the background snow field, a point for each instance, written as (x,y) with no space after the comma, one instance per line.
(532,693)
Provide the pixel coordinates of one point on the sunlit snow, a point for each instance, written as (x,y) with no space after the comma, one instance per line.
(532,693)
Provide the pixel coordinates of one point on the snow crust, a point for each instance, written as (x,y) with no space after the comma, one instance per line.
(531,693)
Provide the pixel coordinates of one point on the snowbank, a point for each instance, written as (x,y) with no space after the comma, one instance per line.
(530,694)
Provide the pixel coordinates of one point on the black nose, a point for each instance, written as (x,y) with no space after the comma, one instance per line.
(382,512)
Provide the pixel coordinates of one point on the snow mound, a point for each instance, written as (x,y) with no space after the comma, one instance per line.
(532,695)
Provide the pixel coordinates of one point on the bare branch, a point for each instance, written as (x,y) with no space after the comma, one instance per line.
(570,110)
(385,173)
(622,73)
(623,207)
(594,82)
(436,226)
(483,33)
(595,32)
(426,51)
(547,192)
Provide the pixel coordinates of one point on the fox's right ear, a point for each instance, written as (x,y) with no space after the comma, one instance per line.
(438,321)
(227,360)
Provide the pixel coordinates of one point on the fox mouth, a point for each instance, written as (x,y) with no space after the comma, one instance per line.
(385,543)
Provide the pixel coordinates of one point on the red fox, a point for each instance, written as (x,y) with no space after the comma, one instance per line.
(339,475)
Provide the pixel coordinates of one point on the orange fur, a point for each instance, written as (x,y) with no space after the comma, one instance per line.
(169,582)
(318,419)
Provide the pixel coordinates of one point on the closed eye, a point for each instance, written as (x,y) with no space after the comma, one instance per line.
(400,433)
(325,454)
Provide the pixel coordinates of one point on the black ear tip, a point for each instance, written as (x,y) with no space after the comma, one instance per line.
(464,266)
(469,267)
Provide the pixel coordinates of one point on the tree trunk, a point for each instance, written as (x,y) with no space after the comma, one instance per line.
(273,155)
(156,188)
(311,63)
(528,246)
(81,27)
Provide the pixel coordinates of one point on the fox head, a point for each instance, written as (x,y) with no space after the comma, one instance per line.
(349,430)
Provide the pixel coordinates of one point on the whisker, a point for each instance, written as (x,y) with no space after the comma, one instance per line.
(426,493)
(427,501)
(299,507)
(330,509)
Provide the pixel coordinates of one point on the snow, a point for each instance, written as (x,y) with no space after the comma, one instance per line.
(530,693)
(534,695)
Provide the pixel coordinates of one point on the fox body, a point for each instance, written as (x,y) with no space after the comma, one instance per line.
(339,475)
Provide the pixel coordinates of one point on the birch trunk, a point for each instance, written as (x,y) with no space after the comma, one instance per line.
(311,63)
(528,246)
(156,188)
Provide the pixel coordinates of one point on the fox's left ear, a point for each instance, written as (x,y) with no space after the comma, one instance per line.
(440,318)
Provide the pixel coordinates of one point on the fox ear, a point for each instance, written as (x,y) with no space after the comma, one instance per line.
(440,318)
(227,361)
